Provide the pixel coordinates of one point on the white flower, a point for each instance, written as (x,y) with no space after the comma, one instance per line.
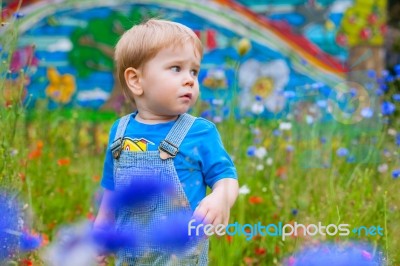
(285,126)
(257,108)
(309,119)
(264,80)
(260,167)
(260,152)
(392,132)
(269,161)
(217,119)
(382,168)
(244,190)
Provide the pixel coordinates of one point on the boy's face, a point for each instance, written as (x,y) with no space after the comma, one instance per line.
(169,80)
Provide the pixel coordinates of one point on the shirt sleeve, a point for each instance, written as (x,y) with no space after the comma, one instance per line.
(216,162)
(107,180)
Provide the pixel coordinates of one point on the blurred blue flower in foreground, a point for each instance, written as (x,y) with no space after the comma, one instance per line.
(140,190)
(14,238)
(9,226)
(172,232)
(79,245)
(109,240)
(29,242)
(73,246)
(350,254)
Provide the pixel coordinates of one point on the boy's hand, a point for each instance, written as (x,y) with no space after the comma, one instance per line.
(215,208)
(101,260)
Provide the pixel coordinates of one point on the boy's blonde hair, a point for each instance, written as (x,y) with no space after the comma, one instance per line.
(142,42)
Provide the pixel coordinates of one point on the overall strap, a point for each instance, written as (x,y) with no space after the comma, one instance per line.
(116,146)
(173,140)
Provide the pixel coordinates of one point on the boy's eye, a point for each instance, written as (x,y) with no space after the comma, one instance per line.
(176,68)
(194,72)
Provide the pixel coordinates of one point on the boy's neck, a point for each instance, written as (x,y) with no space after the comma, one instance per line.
(147,118)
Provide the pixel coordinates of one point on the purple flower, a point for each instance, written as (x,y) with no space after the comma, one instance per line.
(387,108)
(342,152)
(396,173)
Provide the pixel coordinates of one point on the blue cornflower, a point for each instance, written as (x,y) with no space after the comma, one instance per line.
(397,70)
(351,159)
(251,151)
(396,97)
(367,112)
(398,139)
(206,114)
(396,173)
(389,78)
(289,94)
(295,212)
(342,152)
(371,73)
(276,132)
(387,108)
(258,98)
(384,87)
(18,15)
(379,92)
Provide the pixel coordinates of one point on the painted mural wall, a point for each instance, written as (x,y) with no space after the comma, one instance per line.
(293,51)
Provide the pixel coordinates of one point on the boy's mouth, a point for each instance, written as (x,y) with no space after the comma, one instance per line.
(187,95)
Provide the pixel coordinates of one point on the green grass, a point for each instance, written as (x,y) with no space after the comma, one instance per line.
(60,181)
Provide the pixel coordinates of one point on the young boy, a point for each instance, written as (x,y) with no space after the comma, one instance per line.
(157,64)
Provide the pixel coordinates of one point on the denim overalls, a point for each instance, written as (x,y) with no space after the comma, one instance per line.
(128,165)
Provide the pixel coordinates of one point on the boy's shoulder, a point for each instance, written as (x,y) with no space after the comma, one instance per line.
(202,124)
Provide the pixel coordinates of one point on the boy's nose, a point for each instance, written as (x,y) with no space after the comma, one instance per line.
(189,81)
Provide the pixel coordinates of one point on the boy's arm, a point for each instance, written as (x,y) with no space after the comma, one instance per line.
(106,215)
(215,208)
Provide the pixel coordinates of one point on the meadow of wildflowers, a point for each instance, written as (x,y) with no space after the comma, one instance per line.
(291,170)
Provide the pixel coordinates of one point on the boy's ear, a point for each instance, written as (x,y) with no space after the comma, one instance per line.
(132,78)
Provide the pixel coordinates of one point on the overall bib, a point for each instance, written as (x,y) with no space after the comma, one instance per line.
(129,165)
